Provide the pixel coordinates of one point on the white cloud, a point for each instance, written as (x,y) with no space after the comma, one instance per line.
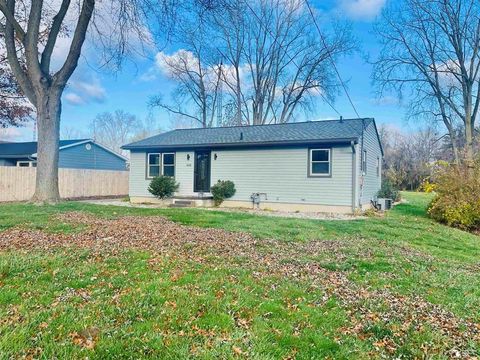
(82,92)
(9,134)
(361,9)
(74,99)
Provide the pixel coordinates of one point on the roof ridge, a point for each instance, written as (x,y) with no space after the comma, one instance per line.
(276,124)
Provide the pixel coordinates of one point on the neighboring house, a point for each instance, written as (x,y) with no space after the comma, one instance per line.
(74,154)
(329,166)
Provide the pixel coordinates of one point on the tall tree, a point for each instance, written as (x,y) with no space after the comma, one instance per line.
(268,56)
(30,30)
(195,69)
(431,51)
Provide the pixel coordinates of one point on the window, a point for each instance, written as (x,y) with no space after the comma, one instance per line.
(320,162)
(153,165)
(168,162)
(378,166)
(160,164)
(364,162)
(26,164)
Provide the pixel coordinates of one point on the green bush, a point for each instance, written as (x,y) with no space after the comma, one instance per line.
(457,199)
(388,191)
(222,190)
(163,187)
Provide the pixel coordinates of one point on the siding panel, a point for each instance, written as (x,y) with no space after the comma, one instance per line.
(281,173)
(371,182)
(183,173)
(78,157)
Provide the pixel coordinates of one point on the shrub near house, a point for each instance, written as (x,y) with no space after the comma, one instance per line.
(223,189)
(457,200)
(163,187)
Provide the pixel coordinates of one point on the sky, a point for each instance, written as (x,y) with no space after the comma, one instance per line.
(92,91)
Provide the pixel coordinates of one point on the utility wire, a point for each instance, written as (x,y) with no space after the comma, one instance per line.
(331,57)
(291,57)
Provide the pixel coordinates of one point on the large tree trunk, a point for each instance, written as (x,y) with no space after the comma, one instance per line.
(469,134)
(48,122)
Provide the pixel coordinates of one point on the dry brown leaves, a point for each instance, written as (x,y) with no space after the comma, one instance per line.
(264,257)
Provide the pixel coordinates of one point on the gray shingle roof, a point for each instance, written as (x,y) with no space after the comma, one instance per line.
(291,133)
(28,148)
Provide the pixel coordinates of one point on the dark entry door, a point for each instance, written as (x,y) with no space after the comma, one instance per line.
(202,172)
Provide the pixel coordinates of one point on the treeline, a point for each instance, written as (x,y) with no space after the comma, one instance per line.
(413,157)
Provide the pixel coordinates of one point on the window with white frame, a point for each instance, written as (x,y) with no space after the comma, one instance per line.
(320,162)
(168,164)
(153,165)
(26,164)
(160,164)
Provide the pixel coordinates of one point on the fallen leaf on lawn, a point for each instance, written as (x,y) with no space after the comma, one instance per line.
(237,350)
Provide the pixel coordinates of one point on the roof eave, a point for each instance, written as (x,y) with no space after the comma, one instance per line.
(15,156)
(243,144)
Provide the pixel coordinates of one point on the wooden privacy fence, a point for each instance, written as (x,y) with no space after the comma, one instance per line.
(18,184)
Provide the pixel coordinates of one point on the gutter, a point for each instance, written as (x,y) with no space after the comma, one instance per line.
(241,144)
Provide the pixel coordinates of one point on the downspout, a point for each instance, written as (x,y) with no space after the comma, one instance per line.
(354,176)
(362,182)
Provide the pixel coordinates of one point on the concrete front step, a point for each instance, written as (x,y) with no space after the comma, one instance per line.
(183,202)
(179,205)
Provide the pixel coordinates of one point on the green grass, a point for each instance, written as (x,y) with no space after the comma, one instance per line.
(133,306)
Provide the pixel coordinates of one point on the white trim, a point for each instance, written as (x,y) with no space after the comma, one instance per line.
(329,162)
(89,141)
(160,162)
(174,162)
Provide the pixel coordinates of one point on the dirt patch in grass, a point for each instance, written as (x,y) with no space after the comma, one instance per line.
(384,318)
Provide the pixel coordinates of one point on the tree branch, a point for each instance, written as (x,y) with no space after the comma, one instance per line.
(62,76)
(53,35)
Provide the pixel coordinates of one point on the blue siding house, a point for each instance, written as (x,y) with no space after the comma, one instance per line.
(74,154)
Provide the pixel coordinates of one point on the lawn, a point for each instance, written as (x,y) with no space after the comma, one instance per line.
(80,280)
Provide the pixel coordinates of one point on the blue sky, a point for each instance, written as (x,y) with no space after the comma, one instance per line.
(91,92)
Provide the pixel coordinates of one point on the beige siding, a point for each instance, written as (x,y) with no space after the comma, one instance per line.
(18,184)
(282,175)
(371,182)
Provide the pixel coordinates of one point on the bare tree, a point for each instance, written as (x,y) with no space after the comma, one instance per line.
(114,129)
(408,156)
(271,61)
(72,133)
(194,69)
(431,50)
(30,30)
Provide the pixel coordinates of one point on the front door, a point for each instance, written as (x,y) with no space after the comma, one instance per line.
(201,181)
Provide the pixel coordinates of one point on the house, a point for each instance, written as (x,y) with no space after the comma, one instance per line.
(325,166)
(74,154)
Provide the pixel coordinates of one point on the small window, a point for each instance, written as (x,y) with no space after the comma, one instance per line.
(153,166)
(168,161)
(364,162)
(320,162)
(378,166)
(26,164)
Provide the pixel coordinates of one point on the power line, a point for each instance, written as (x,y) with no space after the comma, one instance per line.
(291,57)
(331,57)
